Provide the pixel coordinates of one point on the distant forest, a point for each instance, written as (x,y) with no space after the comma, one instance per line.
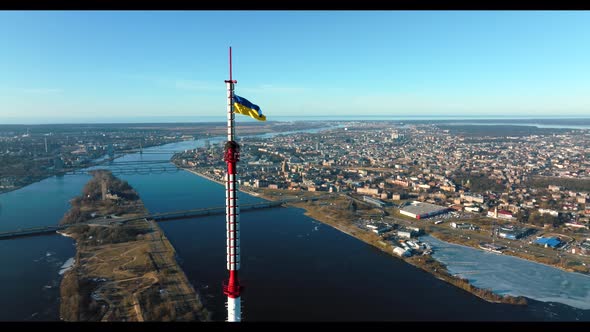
(509,121)
(481,183)
(567,183)
(478,183)
(501,130)
(79,128)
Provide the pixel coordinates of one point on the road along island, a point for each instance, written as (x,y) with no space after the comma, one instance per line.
(123,271)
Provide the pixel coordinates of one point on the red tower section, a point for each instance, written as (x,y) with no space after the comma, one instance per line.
(232,287)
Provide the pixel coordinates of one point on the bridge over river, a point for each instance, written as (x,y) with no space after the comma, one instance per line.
(183,214)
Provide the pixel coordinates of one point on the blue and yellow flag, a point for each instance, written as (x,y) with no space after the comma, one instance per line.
(243,106)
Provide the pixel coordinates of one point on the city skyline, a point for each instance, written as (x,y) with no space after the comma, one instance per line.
(91,66)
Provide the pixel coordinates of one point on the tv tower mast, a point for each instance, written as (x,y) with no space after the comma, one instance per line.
(232,286)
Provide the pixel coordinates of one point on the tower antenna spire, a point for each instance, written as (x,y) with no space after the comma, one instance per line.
(232,287)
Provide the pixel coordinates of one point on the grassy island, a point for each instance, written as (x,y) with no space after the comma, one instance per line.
(123,271)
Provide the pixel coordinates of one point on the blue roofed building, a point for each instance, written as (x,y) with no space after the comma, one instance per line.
(552,242)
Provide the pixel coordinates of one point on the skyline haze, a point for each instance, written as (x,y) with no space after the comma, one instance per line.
(89,66)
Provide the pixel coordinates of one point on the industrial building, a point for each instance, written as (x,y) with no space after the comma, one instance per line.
(514,233)
(508,234)
(404,234)
(552,242)
(472,208)
(501,214)
(464,226)
(402,252)
(421,210)
(408,232)
(379,228)
(374,201)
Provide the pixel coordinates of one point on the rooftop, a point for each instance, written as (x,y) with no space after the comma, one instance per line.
(422,208)
(551,241)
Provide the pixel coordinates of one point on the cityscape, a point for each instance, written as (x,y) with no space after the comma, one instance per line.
(538,180)
(369,186)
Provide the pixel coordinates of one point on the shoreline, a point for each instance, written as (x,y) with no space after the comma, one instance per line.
(65,234)
(223,184)
(572,301)
(93,164)
(67,266)
(203,176)
(16,188)
(416,262)
(507,254)
(265,132)
(437,269)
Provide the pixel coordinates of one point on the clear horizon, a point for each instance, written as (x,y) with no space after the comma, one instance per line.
(221,119)
(95,65)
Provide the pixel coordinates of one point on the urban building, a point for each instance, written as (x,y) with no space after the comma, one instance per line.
(374,201)
(421,210)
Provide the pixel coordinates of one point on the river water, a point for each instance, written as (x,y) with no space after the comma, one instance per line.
(504,274)
(293,268)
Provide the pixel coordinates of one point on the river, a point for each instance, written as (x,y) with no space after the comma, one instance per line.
(293,268)
(541,282)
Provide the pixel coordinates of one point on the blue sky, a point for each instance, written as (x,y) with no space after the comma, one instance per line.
(140,64)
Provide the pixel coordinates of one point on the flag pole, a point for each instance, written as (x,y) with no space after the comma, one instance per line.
(232,287)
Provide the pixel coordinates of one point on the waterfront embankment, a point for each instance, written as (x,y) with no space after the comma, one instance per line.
(334,216)
(210,178)
(333,212)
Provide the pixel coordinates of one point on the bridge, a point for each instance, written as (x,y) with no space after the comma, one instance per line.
(47,230)
(182,214)
(159,217)
(129,167)
(128,170)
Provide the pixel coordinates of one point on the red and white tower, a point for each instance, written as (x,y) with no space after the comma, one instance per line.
(232,286)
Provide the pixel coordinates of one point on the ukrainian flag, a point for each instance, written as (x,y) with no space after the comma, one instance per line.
(243,106)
